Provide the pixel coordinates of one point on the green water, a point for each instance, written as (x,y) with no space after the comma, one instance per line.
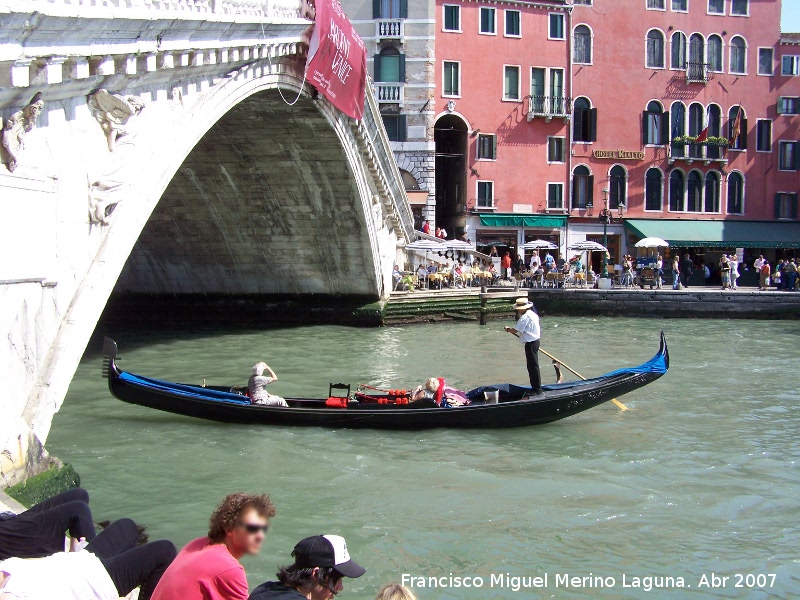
(699,477)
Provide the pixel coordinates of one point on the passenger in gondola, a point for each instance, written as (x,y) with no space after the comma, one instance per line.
(437,390)
(257,386)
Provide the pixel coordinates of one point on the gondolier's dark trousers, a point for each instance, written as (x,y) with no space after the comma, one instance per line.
(532,359)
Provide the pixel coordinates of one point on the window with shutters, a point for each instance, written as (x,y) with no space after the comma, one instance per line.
(694,192)
(788,105)
(452,18)
(738,140)
(617,187)
(452,79)
(513,23)
(390,65)
(654,49)
(488,21)
(766,59)
(582,45)
(395,127)
(677,55)
(653,189)
(584,121)
(556,26)
(786,205)
(716,7)
(654,125)
(735,193)
(677,128)
(738,64)
(485,194)
(788,155)
(390,9)
(740,8)
(556,149)
(764,135)
(680,5)
(714,49)
(790,64)
(711,195)
(582,184)
(486,147)
(555,196)
(677,191)
(656,4)
(511,81)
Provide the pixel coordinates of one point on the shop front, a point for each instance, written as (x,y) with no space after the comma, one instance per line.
(507,232)
(707,241)
(580,231)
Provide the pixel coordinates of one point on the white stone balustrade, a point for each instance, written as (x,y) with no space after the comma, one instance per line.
(390,29)
(389,93)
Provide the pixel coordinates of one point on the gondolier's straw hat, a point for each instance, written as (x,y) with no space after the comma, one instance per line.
(522,304)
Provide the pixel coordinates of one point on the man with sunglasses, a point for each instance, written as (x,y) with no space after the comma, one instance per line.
(321,562)
(208,568)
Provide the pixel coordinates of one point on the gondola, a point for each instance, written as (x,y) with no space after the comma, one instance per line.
(515,407)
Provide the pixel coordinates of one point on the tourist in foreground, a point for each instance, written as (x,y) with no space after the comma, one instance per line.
(321,562)
(395,591)
(528,331)
(208,568)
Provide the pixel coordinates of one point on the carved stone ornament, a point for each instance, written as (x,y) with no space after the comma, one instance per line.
(113,112)
(17,125)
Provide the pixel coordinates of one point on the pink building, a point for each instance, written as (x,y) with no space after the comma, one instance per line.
(567,109)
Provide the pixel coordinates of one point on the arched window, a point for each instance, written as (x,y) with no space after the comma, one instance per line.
(678,51)
(715,53)
(696,125)
(737,128)
(582,187)
(617,186)
(694,192)
(390,65)
(654,124)
(696,68)
(677,191)
(653,186)
(655,49)
(678,127)
(582,45)
(409,181)
(714,130)
(735,193)
(712,192)
(738,55)
(584,121)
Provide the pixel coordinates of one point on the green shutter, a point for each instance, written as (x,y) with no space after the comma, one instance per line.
(743,134)
(593,125)
(494,147)
(590,191)
(403,9)
(402,130)
(645,127)
(777,206)
(402,77)
(376,9)
(376,67)
(780,105)
(563,150)
(796,156)
(794,206)
(665,127)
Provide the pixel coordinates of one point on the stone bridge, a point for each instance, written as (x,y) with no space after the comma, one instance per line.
(169,147)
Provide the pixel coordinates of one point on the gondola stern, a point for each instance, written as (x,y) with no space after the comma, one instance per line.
(664,351)
(109,358)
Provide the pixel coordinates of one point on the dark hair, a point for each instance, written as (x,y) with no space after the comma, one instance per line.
(227,514)
(300,577)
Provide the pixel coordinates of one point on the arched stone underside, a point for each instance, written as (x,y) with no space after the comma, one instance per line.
(265,203)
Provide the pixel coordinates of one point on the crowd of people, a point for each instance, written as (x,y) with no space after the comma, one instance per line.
(110,564)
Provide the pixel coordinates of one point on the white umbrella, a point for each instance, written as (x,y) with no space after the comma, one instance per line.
(425,245)
(652,242)
(539,245)
(587,246)
(457,245)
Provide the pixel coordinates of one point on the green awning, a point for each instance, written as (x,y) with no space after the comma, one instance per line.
(522,220)
(718,234)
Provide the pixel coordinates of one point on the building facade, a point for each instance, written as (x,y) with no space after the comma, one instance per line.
(663,112)
(399,36)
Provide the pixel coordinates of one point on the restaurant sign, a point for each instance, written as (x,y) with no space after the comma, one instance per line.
(618,154)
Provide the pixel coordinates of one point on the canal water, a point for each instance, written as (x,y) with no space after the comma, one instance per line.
(699,478)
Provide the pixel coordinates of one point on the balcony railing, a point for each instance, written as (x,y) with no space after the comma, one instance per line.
(391,93)
(270,9)
(549,107)
(390,29)
(706,152)
(483,204)
(698,72)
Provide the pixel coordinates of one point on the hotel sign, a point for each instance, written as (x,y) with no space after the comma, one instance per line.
(618,154)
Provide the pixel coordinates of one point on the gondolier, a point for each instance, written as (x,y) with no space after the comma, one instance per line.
(528,331)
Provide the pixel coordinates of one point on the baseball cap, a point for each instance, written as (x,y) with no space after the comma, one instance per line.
(326,551)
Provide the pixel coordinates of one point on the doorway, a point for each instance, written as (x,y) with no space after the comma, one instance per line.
(450,138)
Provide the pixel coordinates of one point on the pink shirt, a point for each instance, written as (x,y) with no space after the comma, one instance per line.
(203,571)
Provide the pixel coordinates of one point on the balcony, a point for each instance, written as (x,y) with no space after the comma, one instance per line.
(482,205)
(698,72)
(549,107)
(389,29)
(713,150)
(389,93)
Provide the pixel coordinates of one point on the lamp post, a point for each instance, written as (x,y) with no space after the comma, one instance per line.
(605,217)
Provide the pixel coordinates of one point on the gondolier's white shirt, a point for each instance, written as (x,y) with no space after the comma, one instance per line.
(528,327)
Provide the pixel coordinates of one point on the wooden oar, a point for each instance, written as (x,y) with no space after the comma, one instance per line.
(619,404)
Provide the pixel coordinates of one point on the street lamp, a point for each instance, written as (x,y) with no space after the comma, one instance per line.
(605,217)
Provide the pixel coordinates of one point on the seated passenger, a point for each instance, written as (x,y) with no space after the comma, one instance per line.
(435,389)
(257,386)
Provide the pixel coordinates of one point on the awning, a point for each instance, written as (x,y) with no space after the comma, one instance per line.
(718,234)
(519,220)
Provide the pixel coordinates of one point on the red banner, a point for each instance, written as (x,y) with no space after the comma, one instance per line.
(337,59)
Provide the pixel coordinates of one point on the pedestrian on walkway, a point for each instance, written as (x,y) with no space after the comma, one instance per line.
(725,271)
(763,281)
(734,260)
(790,269)
(676,273)
(687,268)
